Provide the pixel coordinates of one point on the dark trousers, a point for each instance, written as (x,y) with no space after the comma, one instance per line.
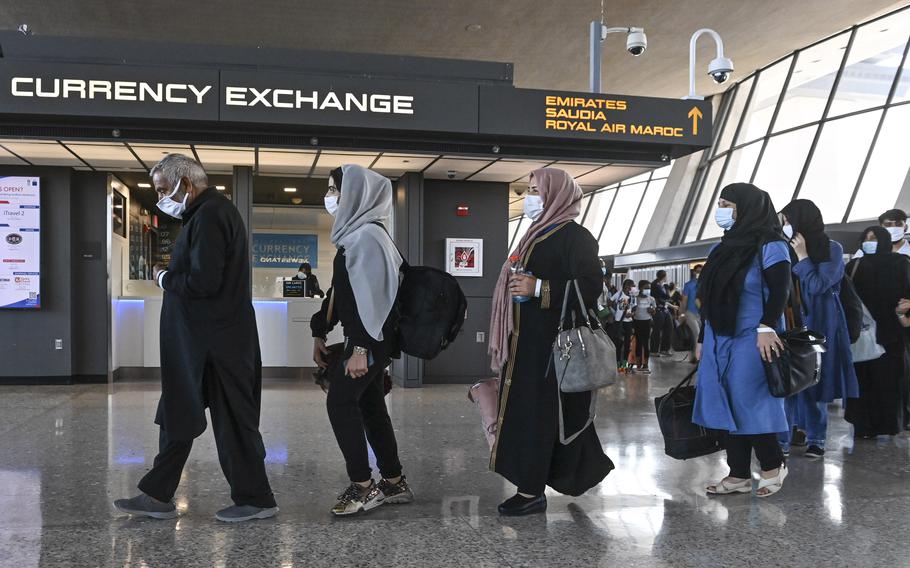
(617,335)
(739,453)
(240,450)
(357,406)
(642,340)
(662,331)
(628,329)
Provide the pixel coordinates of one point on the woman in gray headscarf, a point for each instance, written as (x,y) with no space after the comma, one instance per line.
(364,289)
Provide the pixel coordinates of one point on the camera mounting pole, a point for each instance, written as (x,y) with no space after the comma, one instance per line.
(599,32)
(720,60)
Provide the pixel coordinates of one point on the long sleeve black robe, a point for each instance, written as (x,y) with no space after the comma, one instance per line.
(528,451)
(207,319)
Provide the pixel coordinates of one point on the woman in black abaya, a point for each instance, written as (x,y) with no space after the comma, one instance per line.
(881,278)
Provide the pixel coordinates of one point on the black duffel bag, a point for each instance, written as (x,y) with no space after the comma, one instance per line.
(683,439)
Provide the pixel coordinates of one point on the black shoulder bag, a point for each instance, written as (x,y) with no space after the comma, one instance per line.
(798,366)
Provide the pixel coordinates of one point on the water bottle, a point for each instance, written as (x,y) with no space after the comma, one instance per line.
(518,268)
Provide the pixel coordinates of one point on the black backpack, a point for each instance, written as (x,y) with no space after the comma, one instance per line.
(431,309)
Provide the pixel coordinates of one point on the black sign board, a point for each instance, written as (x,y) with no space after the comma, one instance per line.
(618,118)
(294,289)
(287,98)
(108,90)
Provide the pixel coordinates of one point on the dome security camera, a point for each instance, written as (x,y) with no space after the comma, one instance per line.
(519,189)
(636,41)
(719,69)
(451,174)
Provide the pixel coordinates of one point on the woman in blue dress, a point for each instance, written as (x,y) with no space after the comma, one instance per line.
(819,270)
(743,290)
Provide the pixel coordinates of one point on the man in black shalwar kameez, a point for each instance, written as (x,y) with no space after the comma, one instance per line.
(209,349)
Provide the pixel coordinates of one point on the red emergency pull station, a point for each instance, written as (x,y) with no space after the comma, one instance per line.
(462,211)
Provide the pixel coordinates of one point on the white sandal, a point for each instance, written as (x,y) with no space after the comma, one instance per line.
(773,484)
(725,487)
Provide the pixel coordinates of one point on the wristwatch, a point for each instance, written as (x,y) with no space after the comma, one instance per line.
(361,351)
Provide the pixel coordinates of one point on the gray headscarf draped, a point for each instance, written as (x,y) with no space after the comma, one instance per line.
(371,258)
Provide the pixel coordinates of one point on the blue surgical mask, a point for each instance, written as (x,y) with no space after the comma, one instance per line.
(869,247)
(724,217)
(646,291)
(533,206)
(603,271)
(788,231)
(897,233)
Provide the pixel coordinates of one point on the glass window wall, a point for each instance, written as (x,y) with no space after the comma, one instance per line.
(829,154)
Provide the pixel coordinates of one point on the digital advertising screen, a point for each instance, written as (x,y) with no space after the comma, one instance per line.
(20,243)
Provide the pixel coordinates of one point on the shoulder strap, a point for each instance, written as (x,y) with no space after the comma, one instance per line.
(796,300)
(328,317)
(855,267)
(404,261)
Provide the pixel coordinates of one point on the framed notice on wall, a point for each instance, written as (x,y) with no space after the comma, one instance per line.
(464,257)
(20,243)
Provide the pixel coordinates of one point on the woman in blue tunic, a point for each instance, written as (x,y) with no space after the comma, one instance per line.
(743,290)
(819,270)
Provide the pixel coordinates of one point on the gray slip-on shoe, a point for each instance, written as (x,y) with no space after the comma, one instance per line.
(241,513)
(144,506)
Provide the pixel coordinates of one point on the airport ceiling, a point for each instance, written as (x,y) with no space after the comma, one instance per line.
(547,40)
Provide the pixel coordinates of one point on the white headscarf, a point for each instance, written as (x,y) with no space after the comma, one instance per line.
(371,258)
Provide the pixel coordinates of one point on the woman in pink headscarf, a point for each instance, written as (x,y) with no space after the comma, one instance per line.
(528,449)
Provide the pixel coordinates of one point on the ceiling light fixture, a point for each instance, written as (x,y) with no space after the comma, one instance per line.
(290,190)
(220,187)
(145,185)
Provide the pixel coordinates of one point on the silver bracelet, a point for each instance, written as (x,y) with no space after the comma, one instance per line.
(361,351)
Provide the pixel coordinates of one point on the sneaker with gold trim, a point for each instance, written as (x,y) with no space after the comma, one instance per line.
(391,493)
(351,501)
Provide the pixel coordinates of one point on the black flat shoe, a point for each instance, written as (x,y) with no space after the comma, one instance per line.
(518,506)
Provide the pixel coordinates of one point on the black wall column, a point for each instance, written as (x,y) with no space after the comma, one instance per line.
(466,360)
(242,193)
(408,234)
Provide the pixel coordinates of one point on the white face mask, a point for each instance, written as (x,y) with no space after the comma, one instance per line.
(634,291)
(646,291)
(869,247)
(173,208)
(788,231)
(301,275)
(331,204)
(897,233)
(533,206)
(723,216)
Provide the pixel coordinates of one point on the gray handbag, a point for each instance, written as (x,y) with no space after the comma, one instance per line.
(584,359)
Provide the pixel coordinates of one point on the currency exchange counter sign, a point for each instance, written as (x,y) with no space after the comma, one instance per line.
(591,116)
(20,242)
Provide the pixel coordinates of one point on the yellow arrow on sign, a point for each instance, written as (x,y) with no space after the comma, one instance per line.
(695,114)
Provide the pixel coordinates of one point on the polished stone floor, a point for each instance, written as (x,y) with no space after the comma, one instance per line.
(66,452)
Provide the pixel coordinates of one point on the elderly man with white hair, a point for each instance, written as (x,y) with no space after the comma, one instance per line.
(209,349)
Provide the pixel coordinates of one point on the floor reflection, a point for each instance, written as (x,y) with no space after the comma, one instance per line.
(67,452)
